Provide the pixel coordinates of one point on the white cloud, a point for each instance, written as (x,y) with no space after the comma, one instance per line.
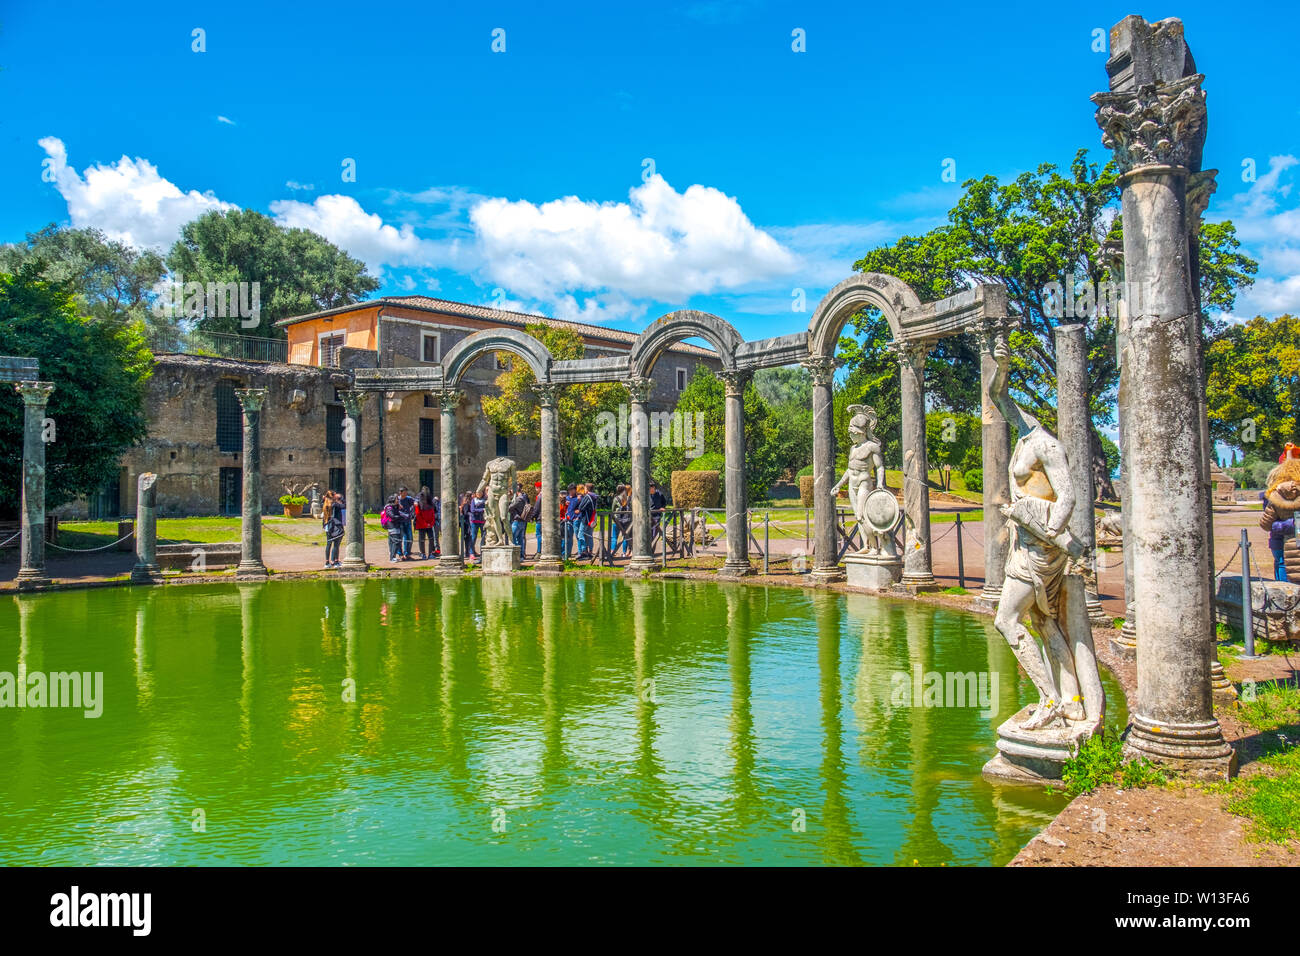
(365,235)
(661,245)
(297,186)
(1267,219)
(227,120)
(128,200)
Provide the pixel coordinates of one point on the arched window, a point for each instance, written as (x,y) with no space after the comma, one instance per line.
(230,418)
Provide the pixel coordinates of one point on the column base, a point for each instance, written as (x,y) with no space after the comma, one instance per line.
(989,596)
(641,562)
(549,564)
(32,579)
(919,582)
(1195,750)
(251,571)
(450,564)
(1097,617)
(828,575)
(1125,645)
(146,574)
(735,569)
(1220,686)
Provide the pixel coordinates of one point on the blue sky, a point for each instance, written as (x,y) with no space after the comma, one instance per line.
(520,178)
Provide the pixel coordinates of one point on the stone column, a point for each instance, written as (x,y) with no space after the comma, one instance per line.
(146,570)
(638,439)
(549,559)
(354,534)
(1073,422)
(250,565)
(825,540)
(995,460)
(1154,119)
(1123,644)
(917,570)
(737,563)
(31,567)
(452,561)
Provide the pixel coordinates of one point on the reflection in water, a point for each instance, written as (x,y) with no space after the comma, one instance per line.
(640,721)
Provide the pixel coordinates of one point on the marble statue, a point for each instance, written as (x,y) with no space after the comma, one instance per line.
(499,482)
(865,475)
(1064,669)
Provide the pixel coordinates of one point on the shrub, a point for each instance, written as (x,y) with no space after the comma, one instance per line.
(805,472)
(293,501)
(974,479)
(709,461)
(529,478)
(806,489)
(696,489)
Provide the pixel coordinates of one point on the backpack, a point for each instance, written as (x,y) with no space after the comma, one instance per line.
(383,517)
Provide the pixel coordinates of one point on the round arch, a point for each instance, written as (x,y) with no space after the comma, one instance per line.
(464,352)
(683,324)
(892,296)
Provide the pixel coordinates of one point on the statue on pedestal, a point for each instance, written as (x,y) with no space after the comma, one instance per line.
(499,483)
(876,563)
(1044,589)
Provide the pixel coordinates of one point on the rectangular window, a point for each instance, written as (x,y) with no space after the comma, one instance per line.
(428,401)
(431,347)
(334,428)
(430,479)
(428,441)
(230,419)
(339,481)
(503,362)
(231,490)
(330,343)
(681,379)
(503,444)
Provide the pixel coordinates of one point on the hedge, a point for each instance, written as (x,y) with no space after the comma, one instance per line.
(528,479)
(709,461)
(974,479)
(806,489)
(696,489)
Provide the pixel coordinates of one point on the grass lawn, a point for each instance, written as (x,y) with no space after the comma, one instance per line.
(1270,799)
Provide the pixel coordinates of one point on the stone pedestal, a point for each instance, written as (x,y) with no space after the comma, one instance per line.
(500,560)
(1037,756)
(875,572)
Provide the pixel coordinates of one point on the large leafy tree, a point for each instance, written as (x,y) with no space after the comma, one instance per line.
(1043,227)
(1253,379)
(788,393)
(514,410)
(99,370)
(111,280)
(297,271)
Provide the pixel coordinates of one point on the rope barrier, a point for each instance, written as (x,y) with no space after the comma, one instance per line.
(90,550)
(7,541)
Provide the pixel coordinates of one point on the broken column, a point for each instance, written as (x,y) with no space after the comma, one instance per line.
(354,531)
(918,574)
(638,439)
(31,567)
(549,559)
(1074,425)
(737,490)
(825,542)
(250,565)
(146,570)
(1153,117)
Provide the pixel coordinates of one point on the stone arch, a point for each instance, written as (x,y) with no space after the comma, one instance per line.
(464,352)
(683,324)
(891,295)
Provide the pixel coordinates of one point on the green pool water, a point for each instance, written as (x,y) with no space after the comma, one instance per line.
(505,721)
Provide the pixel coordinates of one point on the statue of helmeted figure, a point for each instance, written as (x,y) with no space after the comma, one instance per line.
(865,473)
(499,482)
(1041,555)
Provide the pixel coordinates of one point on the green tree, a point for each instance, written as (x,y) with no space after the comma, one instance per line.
(99,371)
(953,439)
(1253,385)
(514,410)
(1043,227)
(788,393)
(706,394)
(112,281)
(297,271)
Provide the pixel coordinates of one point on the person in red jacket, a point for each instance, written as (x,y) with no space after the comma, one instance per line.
(426,524)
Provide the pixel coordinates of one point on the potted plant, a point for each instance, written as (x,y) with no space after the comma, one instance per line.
(293,505)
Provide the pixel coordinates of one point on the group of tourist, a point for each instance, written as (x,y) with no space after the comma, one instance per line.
(415,521)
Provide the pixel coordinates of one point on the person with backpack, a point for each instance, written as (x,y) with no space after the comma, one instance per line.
(657,505)
(426,520)
(477,519)
(332,513)
(391,519)
(518,512)
(406,505)
(569,519)
(462,509)
(620,522)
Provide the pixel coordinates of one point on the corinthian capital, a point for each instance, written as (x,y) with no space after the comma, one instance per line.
(1200,187)
(822,370)
(735,380)
(547,393)
(353,401)
(36,394)
(1158,124)
(251,399)
(639,389)
(911,354)
(449,399)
